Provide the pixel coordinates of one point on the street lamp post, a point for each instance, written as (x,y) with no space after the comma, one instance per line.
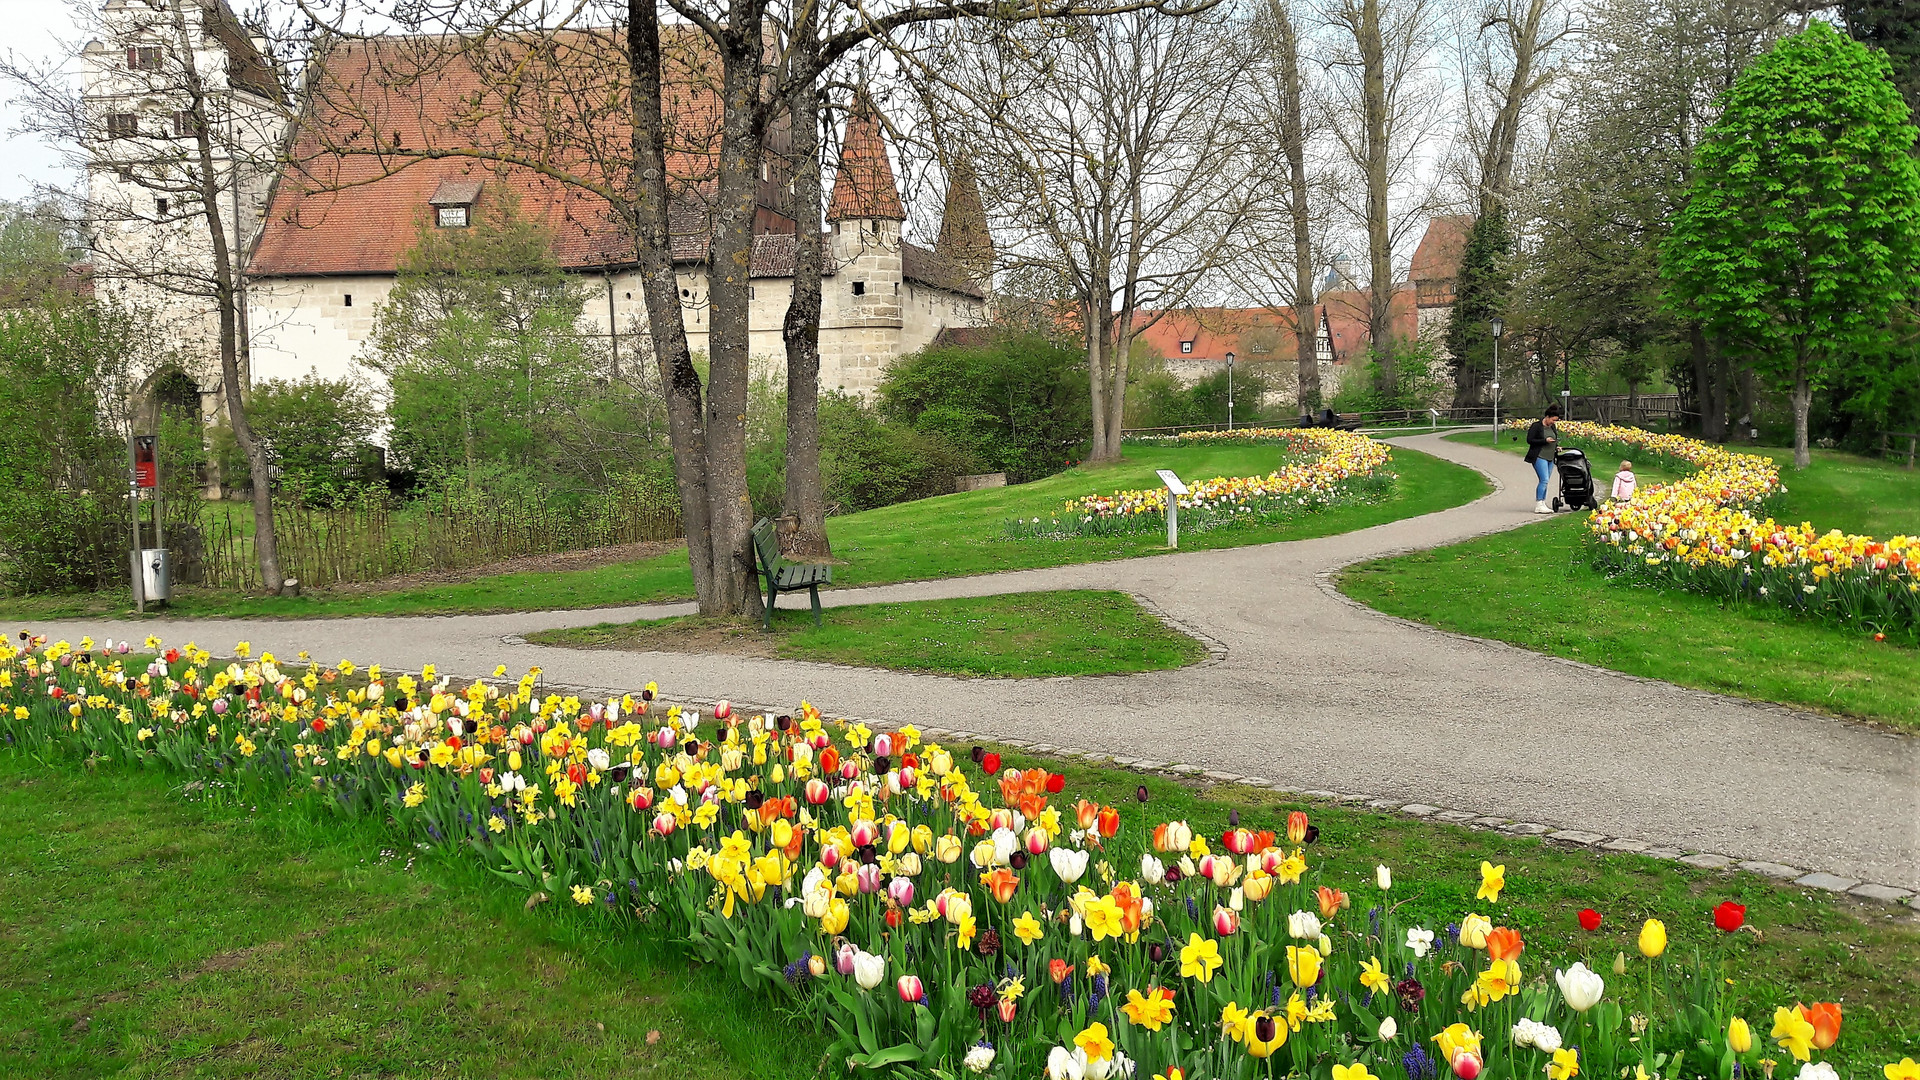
(1229,391)
(1497,326)
(1566,386)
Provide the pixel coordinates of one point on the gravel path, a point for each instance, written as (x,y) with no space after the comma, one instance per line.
(1314,692)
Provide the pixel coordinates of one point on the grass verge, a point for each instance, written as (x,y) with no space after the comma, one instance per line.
(154,937)
(948,536)
(1533,587)
(1016,635)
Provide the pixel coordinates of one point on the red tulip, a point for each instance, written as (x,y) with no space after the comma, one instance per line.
(1238,841)
(1296,827)
(1589,919)
(1225,921)
(910,989)
(1729,916)
(1109,820)
(817,791)
(1007,1010)
(991,763)
(1466,1065)
(1056,783)
(829,760)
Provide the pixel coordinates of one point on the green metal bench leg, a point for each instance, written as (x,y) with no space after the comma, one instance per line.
(814,591)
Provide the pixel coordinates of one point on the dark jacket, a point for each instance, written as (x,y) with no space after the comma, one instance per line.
(1541,443)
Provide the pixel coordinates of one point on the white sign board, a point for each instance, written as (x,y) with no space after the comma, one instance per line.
(1173,482)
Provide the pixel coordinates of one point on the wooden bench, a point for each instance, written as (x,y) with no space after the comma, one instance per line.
(1346,421)
(785,575)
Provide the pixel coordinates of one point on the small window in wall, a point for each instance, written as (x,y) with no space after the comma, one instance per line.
(126,175)
(452,200)
(143,58)
(122,125)
(451,217)
(183,124)
(349,299)
(750,292)
(160,207)
(1186,346)
(859,288)
(629,296)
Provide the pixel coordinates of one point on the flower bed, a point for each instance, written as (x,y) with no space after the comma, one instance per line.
(1334,467)
(1706,532)
(936,913)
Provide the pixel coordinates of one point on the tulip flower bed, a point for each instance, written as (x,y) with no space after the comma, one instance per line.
(935,913)
(1706,533)
(1334,467)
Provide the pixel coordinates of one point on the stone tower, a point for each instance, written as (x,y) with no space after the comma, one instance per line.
(862,314)
(964,240)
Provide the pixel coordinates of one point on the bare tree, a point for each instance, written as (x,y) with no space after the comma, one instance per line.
(1383,108)
(1111,156)
(1512,70)
(176,131)
(577,96)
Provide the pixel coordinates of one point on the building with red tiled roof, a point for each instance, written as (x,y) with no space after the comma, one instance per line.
(391,140)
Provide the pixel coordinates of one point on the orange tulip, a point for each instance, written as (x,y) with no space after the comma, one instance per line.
(1331,901)
(829,761)
(1296,827)
(1504,944)
(1087,813)
(1059,970)
(1131,909)
(1001,883)
(1825,1018)
(1109,821)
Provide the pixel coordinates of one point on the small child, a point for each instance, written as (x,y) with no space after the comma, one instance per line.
(1623,482)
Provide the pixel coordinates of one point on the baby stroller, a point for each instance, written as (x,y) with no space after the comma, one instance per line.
(1576,482)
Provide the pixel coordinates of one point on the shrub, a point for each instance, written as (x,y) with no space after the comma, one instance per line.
(1018,404)
(1157,399)
(319,437)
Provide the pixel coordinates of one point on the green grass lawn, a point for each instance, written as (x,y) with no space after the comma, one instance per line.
(947,536)
(1533,587)
(153,937)
(1018,635)
(147,936)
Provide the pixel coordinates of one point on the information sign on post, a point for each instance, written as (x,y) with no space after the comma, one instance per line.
(146,467)
(1175,489)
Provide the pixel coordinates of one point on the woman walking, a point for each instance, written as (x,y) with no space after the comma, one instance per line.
(1543,442)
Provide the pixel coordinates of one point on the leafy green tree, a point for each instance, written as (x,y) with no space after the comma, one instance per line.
(1479,293)
(1894,27)
(1018,404)
(493,382)
(1801,232)
(319,435)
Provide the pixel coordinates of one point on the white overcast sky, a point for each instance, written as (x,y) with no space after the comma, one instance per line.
(28,28)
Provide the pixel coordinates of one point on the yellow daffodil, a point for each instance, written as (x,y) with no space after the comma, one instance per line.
(582,895)
(1151,1010)
(1232,1022)
(1355,1071)
(1027,928)
(1904,1069)
(1095,1043)
(1794,1033)
(1373,977)
(1200,958)
(1565,1065)
(1492,880)
(1105,919)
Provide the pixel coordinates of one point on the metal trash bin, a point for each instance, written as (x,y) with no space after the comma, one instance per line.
(154,576)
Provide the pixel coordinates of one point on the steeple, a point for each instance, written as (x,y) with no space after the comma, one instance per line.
(965,241)
(864,188)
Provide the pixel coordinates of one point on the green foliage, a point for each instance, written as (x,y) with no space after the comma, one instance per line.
(1157,399)
(1892,26)
(492,378)
(1801,232)
(1416,384)
(63,505)
(868,462)
(319,436)
(1480,293)
(1017,405)
(36,252)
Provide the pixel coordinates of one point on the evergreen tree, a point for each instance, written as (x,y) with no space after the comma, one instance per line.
(1479,293)
(1800,237)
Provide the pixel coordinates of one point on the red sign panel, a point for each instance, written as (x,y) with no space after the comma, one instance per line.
(146,470)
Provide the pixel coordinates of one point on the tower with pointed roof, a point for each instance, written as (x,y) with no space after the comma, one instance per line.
(965,241)
(864,257)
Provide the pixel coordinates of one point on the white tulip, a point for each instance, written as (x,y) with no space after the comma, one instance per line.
(1152,870)
(1383,877)
(1068,863)
(1580,986)
(979,1059)
(1304,925)
(1818,1070)
(1065,1064)
(1004,842)
(1388,1029)
(868,969)
(599,759)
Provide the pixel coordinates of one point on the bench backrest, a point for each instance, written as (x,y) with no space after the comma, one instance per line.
(766,544)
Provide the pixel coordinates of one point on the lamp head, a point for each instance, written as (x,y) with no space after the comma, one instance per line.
(1229,358)
(1499,326)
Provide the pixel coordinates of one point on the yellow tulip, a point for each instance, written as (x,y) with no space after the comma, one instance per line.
(1739,1036)
(1303,965)
(1474,930)
(1653,938)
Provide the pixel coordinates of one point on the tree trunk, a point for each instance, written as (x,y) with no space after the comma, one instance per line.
(1293,143)
(1802,404)
(661,290)
(1373,96)
(729,506)
(226,293)
(1099,323)
(806,495)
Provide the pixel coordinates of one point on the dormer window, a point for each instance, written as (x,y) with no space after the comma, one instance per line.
(452,203)
(1186,347)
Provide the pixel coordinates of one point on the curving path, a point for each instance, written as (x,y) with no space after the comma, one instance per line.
(1314,693)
